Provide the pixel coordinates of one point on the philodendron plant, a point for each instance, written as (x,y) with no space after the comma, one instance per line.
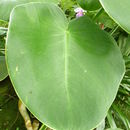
(67,73)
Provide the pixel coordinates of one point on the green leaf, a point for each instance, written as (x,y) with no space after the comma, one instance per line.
(114,129)
(89,4)
(3,68)
(119,11)
(101,126)
(6,6)
(66,75)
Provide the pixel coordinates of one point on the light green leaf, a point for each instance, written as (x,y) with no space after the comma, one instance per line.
(67,74)
(114,129)
(6,6)
(101,126)
(119,11)
(3,68)
(89,4)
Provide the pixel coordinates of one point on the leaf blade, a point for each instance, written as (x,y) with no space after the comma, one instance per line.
(120,13)
(60,66)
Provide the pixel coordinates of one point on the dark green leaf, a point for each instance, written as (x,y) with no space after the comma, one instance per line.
(89,4)
(3,68)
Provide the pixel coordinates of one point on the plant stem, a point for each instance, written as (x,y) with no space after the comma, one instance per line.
(111,120)
(114,30)
(2,49)
(24,113)
(3,29)
(98,14)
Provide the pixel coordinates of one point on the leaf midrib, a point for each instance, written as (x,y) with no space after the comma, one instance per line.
(66,70)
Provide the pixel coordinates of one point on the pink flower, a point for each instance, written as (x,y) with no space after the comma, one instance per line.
(79,12)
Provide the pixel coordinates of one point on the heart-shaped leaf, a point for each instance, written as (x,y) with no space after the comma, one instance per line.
(119,11)
(89,4)
(6,6)
(67,74)
(3,68)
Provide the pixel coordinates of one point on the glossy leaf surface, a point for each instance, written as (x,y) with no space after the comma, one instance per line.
(66,75)
(89,4)
(119,11)
(3,69)
(6,6)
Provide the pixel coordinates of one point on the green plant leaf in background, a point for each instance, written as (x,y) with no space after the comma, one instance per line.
(6,6)
(119,11)
(67,74)
(2,44)
(126,47)
(89,5)
(3,68)
(2,31)
(105,20)
(10,118)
